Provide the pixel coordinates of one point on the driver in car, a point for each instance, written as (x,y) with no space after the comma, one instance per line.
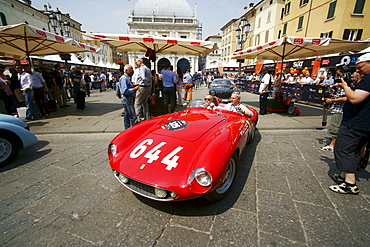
(209,99)
(236,106)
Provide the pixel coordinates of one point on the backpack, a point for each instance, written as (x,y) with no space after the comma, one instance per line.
(77,84)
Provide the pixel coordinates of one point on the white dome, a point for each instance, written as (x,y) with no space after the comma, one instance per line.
(163,8)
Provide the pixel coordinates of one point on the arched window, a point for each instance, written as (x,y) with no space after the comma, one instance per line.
(3,19)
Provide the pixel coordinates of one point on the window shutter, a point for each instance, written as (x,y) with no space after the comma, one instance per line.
(346,34)
(359,7)
(331,9)
(359,34)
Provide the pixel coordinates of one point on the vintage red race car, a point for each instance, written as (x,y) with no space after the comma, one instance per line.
(183,155)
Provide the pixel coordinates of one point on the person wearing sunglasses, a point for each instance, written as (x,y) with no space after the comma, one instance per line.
(208,100)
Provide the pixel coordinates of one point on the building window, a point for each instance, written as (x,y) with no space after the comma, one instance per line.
(257,40)
(259,22)
(268,17)
(267,36)
(331,10)
(326,35)
(303,2)
(3,19)
(359,7)
(300,23)
(352,34)
(287,8)
(285,26)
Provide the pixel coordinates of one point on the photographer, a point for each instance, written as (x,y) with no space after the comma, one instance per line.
(336,100)
(354,131)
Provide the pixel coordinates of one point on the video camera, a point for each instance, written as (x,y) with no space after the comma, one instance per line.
(347,77)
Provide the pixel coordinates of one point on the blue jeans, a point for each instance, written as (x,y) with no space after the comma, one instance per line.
(129,116)
(31,112)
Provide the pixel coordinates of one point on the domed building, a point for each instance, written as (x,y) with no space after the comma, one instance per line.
(165,18)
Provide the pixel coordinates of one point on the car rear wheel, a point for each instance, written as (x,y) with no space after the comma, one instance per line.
(251,138)
(224,188)
(9,147)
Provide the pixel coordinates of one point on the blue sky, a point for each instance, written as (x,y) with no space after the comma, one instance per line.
(110,16)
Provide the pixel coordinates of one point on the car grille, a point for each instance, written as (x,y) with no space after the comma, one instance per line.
(143,189)
(224,95)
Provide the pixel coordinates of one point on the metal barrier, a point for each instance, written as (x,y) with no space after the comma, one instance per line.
(313,94)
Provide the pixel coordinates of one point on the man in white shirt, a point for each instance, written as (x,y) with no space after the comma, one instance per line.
(307,80)
(142,77)
(236,106)
(264,90)
(26,88)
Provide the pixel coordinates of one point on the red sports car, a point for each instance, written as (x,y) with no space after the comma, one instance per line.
(183,155)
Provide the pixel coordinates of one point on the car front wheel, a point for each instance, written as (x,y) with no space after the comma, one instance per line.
(9,147)
(224,188)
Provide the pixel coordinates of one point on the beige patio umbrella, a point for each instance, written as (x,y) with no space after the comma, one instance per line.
(141,43)
(289,47)
(20,41)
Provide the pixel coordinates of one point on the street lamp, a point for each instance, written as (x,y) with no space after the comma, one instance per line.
(67,26)
(53,22)
(242,34)
(58,15)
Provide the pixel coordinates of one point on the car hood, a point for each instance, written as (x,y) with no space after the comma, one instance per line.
(13,120)
(186,126)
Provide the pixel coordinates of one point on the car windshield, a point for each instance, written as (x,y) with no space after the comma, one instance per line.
(200,103)
(223,83)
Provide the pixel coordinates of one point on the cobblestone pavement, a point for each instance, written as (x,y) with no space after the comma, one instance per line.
(61,192)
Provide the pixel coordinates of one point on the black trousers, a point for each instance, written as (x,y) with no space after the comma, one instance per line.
(80,99)
(263,103)
(39,96)
(169,98)
(347,149)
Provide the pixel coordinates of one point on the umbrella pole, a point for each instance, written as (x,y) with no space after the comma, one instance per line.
(29,59)
(154,83)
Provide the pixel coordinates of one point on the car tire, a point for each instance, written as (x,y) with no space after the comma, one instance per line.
(224,188)
(9,147)
(251,138)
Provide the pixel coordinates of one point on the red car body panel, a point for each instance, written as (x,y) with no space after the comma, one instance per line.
(164,151)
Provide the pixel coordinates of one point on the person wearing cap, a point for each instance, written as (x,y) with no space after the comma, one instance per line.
(354,130)
(329,80)
(7,95)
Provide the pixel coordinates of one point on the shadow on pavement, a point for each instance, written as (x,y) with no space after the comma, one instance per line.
(28,155)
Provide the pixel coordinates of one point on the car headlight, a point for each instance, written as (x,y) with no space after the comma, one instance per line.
(202,176)
(160,193)
(121,177)
(112,149)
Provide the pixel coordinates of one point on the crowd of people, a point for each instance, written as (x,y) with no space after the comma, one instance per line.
(42,88)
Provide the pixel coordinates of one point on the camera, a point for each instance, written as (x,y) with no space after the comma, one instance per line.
(346,74)
(329,92)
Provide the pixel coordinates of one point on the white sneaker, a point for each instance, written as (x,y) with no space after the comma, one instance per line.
(327,148)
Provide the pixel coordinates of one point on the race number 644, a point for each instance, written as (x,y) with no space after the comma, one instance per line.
(154,154)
